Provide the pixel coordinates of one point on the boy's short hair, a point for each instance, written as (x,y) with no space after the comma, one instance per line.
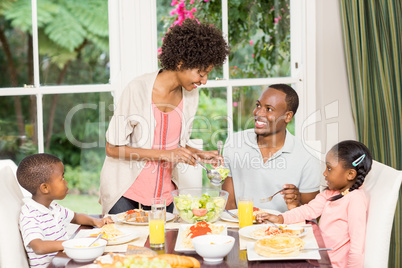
(292,100)
(35,170)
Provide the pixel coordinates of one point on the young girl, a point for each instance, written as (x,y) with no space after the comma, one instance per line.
(342,205)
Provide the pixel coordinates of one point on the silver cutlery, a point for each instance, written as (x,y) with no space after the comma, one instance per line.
(269,199)
(213,175)
(220,146)
(96,239)
(231,214)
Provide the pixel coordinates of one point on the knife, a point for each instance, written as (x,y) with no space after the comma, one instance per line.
(231,214)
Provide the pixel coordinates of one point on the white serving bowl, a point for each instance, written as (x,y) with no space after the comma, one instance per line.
(213,248)
(78,250)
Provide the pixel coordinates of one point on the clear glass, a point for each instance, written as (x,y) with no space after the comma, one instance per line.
(259,37)
(157,220)
(245,205)
(74,130)
(73,42)
(18,134)
(244,100)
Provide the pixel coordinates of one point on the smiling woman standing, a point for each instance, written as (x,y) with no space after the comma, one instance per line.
(154,116)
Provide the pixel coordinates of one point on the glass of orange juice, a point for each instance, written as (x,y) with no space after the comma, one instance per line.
(245,205)
(156,220)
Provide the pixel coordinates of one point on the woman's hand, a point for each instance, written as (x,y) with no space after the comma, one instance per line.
(210,157)
(291,195)
(180,155)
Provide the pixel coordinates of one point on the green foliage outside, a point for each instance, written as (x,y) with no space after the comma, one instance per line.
(73,48)
(82,203)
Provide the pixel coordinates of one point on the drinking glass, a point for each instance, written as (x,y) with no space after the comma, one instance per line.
(245,205)
(156,219)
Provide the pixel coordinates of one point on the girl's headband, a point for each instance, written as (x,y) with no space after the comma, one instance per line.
(359,160)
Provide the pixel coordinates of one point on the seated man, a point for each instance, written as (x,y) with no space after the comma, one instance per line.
(268,158)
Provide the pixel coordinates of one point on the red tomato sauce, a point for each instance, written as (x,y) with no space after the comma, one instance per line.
(200,228)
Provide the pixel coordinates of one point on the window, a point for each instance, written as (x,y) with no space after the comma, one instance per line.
(266,48)
(63,64)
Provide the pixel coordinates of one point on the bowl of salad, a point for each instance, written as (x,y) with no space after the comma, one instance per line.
(200,203)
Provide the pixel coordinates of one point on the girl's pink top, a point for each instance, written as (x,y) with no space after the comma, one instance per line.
(342,224)
(155,178)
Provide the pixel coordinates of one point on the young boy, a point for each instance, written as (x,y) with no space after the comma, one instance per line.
(43,222)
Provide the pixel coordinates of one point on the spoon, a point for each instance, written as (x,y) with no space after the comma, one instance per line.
(212,174)
(219,145)
(96,239)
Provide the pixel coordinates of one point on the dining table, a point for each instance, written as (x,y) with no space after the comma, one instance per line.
(237,257)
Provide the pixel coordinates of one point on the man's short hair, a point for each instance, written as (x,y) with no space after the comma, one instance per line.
(35,170)
(292,100)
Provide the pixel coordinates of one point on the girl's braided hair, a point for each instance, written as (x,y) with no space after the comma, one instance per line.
(353,155)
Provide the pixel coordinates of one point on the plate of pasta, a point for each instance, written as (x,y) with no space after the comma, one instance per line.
(189,231)
(114,235)
(282,247)
(259,231)
(227,217)
(137,217)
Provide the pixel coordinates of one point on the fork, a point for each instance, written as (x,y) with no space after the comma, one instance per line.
(269,199)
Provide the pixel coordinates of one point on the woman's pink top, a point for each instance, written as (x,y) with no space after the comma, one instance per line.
(155,178)
(342,224)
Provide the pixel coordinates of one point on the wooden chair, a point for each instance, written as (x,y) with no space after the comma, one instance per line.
(382,186)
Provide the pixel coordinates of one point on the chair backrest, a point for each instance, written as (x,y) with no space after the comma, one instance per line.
(382,186)
(13,166)
(12,251)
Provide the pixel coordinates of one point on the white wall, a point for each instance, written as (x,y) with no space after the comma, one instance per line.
(333,101)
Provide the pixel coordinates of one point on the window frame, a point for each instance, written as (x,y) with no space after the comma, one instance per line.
(133,51)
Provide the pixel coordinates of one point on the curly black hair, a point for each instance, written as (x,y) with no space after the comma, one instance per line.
(35,170)
(193,45)
(349,153)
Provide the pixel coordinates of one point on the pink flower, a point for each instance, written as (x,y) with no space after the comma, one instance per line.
(173,12)
(191,2)
(235,104)
(159,50)
(276,20)
(174,3)
(253,55)
(251,42)
(206,0)
(235,67)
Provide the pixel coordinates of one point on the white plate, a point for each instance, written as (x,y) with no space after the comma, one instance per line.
(226,217)
(304,255)
(127,235)
(248,230)
(115,218)
(179,247)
